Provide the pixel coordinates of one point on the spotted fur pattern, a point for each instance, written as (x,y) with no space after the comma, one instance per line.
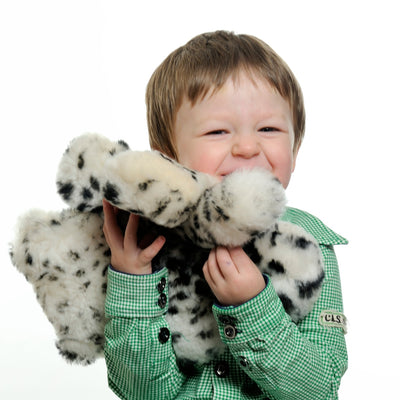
(65,256)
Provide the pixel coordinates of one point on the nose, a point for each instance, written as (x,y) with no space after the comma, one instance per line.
(245,145)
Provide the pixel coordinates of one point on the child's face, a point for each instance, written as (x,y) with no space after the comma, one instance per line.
(245,124)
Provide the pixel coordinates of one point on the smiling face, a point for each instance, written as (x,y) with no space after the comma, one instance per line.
(245,124)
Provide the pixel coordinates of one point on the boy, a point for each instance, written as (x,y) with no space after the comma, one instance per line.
(219,103)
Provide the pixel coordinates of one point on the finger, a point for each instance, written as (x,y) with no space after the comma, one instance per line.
(213,268)
(225,262)
(130,237)
(113,233)
(207,275)
(240,258)
(151,251)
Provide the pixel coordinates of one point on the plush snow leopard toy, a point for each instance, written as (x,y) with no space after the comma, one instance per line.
(65,257)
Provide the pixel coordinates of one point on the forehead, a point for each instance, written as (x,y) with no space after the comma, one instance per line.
(209,84)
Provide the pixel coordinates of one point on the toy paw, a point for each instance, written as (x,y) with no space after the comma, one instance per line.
(65,258)
(84,353)
(246,203)
(81,176)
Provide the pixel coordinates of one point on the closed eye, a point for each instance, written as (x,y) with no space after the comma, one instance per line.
(216,132)
(269,129)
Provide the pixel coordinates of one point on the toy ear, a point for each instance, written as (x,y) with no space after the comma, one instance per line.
(80,176)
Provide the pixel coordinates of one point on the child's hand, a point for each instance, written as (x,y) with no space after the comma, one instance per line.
(126,255)
(232,276)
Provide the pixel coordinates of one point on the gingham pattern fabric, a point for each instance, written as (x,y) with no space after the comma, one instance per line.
(267,356)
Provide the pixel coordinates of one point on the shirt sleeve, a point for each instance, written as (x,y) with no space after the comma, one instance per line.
(140,360)
(289,361)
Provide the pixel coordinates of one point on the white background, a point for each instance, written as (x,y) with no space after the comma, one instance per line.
(68,67)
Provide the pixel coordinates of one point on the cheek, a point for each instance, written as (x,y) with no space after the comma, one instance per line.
(281,160)
(199,159)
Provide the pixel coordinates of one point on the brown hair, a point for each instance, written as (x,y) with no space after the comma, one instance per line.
(206,62)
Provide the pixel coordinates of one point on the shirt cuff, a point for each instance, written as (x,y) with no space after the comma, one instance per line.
(261,314)
(133,296)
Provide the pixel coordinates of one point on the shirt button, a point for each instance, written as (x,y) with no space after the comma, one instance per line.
(161,285)
(230,331)
(163,335)
(221,369)
(162,300)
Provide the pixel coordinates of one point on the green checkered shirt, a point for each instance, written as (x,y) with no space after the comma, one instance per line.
(271,358)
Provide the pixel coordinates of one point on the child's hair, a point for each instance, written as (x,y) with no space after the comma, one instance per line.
(206,62)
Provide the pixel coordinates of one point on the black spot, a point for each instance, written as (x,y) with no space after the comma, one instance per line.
(97,339)
(81,161)
(252,252)
(86,284)
(273,238)
(111,193)
(196,221)
(59,269)
(55,222)
(94,184)
(96,314)
(221,213)
(74,255)
(62,306)
(302,243)
(306,289)
(143,186)
(276,266)
(113,151)
(104,288)
(65,190)
(172,310)
(53,278)
(42,276)
(97,210)
(96,264)
(64,330)
(86,194)
(28,259)
(107,253)
(182,295)
(161,206)
(205,335)
(286,302)
(81,207)
(123,144)
(195,310)
(45,263)
(176,337)
(69,355)
(80,273)
(165,157)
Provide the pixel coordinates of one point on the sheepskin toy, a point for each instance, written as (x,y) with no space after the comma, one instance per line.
(65,257)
